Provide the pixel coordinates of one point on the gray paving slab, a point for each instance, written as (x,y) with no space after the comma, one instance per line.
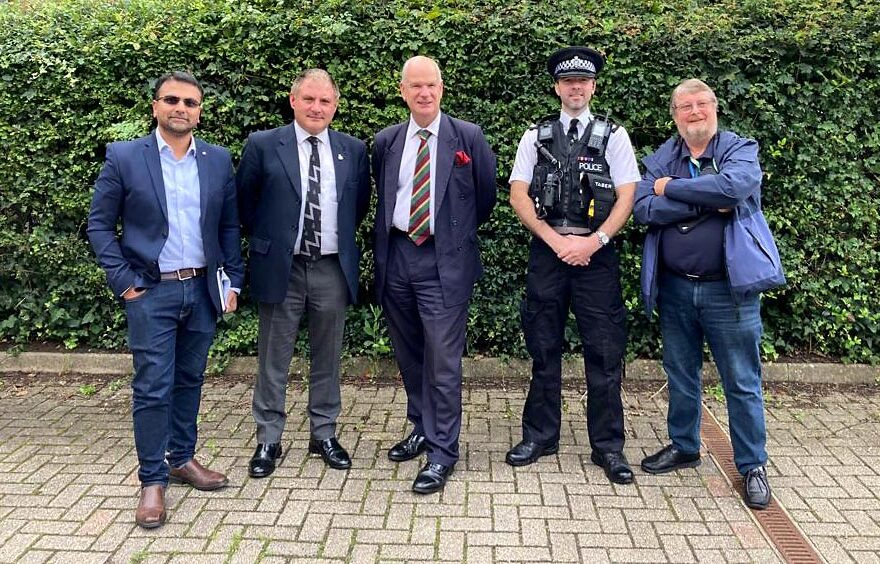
(68,484)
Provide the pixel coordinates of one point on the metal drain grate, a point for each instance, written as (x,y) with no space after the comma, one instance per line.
(777,525)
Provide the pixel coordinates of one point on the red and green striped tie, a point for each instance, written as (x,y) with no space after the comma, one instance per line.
(420,207)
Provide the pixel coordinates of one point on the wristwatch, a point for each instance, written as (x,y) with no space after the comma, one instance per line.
(603,237)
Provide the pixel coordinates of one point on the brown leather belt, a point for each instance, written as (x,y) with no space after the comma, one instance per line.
(182,274)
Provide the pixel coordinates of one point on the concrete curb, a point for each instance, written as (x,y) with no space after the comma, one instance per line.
(483,369)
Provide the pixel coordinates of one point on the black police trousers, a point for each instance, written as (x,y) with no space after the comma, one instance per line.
(594,294)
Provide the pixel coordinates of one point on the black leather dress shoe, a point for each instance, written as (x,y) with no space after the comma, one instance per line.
(756,489)
(408,448)
(527,452)
(332,453)
(615,465)
(432,478)
(263,461)
(668,459)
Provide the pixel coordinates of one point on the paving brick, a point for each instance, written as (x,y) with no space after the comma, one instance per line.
(562,509)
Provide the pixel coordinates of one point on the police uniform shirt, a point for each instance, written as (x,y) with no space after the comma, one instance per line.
(619,152)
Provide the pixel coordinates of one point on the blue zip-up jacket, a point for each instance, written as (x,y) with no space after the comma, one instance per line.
(750,254)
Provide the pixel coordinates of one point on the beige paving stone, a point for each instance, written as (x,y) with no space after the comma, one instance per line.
(822,467)
(37,557)
(15,547)
(416,552)
(364,554)
(522,554)
(563,547)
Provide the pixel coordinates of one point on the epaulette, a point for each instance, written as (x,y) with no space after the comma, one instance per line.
(548,117)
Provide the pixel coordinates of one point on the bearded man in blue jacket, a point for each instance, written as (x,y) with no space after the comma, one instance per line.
(708,255)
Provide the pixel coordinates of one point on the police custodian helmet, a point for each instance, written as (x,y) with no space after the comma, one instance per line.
(575,61)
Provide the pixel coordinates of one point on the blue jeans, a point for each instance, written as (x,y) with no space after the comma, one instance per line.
(170,329)
(690,311)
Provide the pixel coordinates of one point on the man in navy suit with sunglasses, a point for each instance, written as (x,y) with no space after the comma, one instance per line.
(175,198)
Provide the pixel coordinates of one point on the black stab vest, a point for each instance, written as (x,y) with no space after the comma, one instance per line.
(585,193)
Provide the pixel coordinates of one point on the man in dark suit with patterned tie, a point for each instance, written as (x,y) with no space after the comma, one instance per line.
(302,191)
(435,178)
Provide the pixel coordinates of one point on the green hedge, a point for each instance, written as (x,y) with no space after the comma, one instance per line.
(801,77)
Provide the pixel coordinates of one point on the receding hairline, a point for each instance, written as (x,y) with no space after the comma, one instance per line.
(319,75)
(690,86)
(420,58)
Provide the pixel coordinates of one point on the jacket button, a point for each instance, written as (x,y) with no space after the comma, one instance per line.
(461,196)
(454,222)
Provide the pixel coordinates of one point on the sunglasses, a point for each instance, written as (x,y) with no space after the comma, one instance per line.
(174,100)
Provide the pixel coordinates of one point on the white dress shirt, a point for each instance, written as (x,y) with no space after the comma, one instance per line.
(328,201)
(408,169)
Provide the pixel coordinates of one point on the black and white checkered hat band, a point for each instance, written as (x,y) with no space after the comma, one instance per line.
(576,64)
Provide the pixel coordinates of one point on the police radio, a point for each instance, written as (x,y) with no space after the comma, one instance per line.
(599,133)
(546,183)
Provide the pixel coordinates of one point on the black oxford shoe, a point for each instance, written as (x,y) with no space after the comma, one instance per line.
(432,478)
(756,489)
(668,459)
(615,465)
(264,459)
(332,453)
(408,448)
(527,452)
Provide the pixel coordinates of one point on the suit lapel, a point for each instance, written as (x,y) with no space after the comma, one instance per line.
(446,143)
(204,180)
(340,163)
(288,153)
(393,154)
(151,156)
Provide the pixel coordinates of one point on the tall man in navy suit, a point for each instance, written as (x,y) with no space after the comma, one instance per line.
(175,197)
(435,177)
(302,191)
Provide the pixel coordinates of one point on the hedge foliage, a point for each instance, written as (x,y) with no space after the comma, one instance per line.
(798,75)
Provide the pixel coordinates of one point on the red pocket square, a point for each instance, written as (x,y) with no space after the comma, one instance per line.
(461,158)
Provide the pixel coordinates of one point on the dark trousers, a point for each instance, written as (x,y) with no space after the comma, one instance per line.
(170,329)
(428,340)
(594,295)
(318,289)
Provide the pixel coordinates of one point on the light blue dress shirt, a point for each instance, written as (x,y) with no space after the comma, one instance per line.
(184,247)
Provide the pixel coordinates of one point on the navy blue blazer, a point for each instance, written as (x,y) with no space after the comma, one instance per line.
(130,188)
(464,194)
(269,203)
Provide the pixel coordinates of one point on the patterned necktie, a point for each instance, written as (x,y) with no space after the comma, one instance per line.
(420,206)
(311,233)
(573,132)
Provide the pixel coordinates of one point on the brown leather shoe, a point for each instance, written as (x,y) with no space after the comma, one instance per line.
(150,513)
(198,476)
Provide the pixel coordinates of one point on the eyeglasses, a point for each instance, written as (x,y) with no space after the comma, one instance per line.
(174,100)
(690,107)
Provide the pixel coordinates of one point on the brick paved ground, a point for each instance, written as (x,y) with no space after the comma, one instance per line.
(68,485)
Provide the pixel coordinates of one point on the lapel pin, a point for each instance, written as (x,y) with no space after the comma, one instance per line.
(204,153)
(340,157)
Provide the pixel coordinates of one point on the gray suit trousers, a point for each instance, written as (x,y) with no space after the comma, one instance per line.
(318,289)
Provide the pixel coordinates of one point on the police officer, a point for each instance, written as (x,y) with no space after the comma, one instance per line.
(572,186)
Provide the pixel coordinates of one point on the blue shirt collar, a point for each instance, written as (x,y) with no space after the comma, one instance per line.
(163,144)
